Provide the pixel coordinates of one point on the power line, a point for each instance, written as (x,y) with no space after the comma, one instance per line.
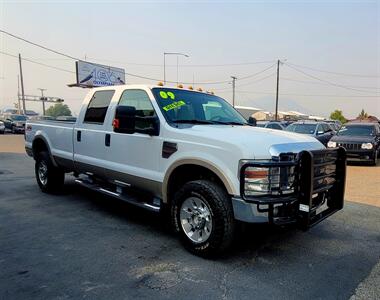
(247,83)
(325,81)
(75,58)
(38,63)
(309,95)
(257,73)
(187,65)
(38,45)
(332,72)
(320,83)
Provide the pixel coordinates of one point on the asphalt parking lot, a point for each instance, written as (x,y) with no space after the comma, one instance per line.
(83,245)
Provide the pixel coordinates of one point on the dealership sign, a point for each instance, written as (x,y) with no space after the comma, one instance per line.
(92,75)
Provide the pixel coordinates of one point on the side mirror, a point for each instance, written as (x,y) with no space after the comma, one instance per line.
(252,121)
(127,120)
(320,132)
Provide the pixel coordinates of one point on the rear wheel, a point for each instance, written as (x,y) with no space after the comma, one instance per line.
(202,214)
(49,178)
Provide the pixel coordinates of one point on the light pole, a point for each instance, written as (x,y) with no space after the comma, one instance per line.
(172,53)
(42,99)
(233,90)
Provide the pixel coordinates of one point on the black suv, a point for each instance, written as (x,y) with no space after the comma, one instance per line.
(320,130)
(361,141)
(16,123)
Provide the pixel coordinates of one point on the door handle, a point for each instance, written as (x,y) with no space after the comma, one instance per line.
(79,135)
(107,140)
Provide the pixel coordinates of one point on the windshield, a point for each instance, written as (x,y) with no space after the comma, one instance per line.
(182,106)
(302,128)
(18,118)
(356,130)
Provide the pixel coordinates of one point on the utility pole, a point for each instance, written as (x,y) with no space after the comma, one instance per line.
(18,95)
(278,82)
(22,85)
(42,99)
(233,90)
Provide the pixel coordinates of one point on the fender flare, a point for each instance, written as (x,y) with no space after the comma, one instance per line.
(202,163)
(44,140)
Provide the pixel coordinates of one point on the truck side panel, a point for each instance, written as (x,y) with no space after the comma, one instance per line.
(58,137)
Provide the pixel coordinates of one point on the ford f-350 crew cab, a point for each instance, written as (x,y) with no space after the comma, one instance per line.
(194,154)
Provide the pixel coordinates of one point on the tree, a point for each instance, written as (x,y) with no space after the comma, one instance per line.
(338,115)
(363,115)
(58,109)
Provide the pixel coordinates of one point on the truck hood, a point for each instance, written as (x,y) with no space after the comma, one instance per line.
(262,143)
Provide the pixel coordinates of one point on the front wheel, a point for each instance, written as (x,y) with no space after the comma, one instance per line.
(202,214)
(49,178)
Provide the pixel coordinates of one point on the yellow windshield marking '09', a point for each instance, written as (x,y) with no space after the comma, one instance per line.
(174,105)
(165,95)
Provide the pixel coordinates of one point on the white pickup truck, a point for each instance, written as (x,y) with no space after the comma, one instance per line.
(194,154)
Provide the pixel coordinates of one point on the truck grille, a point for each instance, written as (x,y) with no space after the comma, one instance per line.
(350,146)
(324,169)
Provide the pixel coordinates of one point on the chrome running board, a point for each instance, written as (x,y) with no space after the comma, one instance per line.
(155,206)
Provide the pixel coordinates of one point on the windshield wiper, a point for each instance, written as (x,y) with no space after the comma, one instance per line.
(193,121)
(230,123)
(197,121)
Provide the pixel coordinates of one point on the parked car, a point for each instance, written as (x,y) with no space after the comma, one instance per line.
(15,123)
(320,130)
(191,153)
(2,127)
(270,124)
(361,141)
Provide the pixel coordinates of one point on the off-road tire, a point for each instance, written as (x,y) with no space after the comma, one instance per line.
(223,223)
(55,177)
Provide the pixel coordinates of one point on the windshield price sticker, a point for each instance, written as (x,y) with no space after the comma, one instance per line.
(174,105)
(166,95)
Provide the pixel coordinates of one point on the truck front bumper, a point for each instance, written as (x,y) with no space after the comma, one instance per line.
(318,191)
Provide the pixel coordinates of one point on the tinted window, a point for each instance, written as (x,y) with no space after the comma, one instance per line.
(274,126)
(139,99)
(302,128)
(97,108)
(357,130)
(326,127)
(18,118)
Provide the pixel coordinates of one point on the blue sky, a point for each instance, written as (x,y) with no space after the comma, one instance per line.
(338,36)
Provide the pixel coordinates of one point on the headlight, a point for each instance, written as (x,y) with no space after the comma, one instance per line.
(331,144)
(367,146)
(268,180)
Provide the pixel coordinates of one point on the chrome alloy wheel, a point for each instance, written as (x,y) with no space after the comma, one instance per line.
(42,172)
(196,220)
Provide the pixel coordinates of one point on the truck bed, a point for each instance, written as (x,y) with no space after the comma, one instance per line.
(58,134)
